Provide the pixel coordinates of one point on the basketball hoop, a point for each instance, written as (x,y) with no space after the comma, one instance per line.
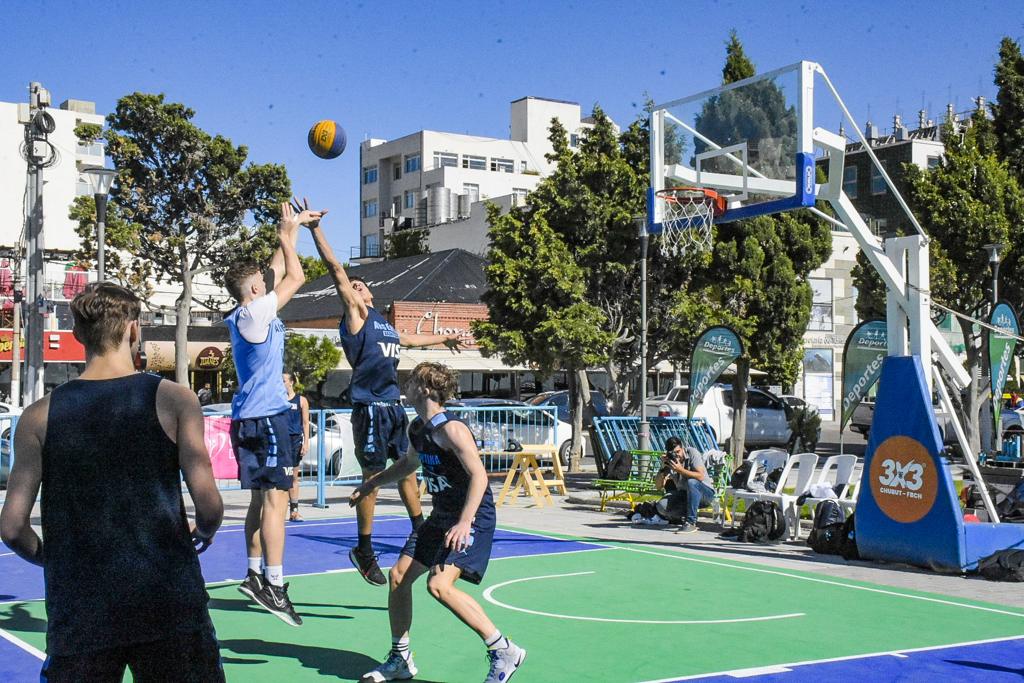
(687,215)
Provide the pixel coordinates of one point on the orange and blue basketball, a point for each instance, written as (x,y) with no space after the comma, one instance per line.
(326,139)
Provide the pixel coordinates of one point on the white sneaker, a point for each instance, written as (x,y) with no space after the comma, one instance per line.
(504,662)
(394,668)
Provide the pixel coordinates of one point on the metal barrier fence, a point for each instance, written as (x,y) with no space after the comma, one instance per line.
(622,433)
(330,459)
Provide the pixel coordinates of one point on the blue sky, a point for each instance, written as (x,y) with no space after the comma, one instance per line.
(262,72)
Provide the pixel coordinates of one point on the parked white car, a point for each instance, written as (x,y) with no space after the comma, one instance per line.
(767,424)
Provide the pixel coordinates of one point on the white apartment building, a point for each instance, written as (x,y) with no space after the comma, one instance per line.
(441,181)
(62,182)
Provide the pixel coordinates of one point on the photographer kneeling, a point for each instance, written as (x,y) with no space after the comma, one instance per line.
(684,477)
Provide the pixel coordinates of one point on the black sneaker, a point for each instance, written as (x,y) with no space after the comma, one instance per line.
(251,584)
(366,563)
(275,600)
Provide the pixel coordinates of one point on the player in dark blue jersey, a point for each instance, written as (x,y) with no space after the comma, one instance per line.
(372,347)
(455,541)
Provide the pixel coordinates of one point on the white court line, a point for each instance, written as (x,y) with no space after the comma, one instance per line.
(488,595)
(827,582)
(6,554)
(740,673)
(35,652)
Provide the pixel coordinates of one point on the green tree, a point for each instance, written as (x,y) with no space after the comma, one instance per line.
(310,358)
(737,65)
(408,242)
(312,267)
(1008,109)
(969,200)
(182,199)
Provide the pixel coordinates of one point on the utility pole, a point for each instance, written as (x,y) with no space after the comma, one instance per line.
(38,154)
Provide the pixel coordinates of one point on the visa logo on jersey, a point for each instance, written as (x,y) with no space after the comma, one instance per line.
(390,349)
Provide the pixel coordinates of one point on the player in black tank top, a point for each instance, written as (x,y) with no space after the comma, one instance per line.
(123,582)
(455,541)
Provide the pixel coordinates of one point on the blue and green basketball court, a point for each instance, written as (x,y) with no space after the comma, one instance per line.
(585,610)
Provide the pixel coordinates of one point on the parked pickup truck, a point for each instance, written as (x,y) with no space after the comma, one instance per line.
(864,413)
(767,424)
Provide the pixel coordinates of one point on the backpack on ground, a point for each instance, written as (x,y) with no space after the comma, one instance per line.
(848,544)
(1005,565)
(826,536)
(619,466)
(762,523)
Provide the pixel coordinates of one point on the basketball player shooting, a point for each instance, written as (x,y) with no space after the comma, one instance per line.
(379,423)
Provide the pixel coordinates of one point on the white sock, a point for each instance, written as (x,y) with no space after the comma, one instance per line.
(401,646)
(256,564)
(496,641)
(274,574)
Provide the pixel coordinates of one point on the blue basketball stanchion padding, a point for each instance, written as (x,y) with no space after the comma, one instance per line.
(908,510)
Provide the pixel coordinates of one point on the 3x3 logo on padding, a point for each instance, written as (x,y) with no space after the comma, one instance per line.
(904,480)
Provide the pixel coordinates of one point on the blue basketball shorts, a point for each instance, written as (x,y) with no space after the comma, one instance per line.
(426,545)
(263,449)
(380,432)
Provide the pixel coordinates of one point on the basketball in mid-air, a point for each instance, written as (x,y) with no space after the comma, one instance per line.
(326,139)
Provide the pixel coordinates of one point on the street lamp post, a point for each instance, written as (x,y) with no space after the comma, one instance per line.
(644,434)
(100,179)
(993,262)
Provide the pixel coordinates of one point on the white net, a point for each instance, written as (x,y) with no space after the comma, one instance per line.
(687,216)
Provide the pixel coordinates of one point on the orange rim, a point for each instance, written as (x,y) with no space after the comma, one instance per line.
(680,195)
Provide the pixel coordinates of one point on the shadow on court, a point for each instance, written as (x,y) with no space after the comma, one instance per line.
(985,666)
(17,618)
(326,661)
(225,605)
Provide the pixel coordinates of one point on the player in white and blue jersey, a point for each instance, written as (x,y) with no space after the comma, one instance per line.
(455,541)
(260,408)
(372,347)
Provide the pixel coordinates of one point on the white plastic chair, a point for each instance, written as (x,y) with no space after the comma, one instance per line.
(835,472)
(766,459)
(806,464)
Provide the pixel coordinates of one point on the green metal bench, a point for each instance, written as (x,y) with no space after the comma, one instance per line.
(640,485)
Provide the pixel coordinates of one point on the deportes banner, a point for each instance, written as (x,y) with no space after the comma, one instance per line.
(865,349)
(1000,352)
(714,351)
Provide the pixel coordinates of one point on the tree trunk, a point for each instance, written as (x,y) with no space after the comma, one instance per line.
(739,408)
(183,307)
(579,395)
(972,399)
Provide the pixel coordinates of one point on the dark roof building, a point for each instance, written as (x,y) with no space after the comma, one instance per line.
(453,276)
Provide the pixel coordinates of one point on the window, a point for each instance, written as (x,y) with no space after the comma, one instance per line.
(442,159)
(475,163)
(523,168)
(370,208)
(473,190)
(412,163)
(369,175)
(574,140)
(503,165)
(398,172)
(850,181)
(819,380)
(371,245)
(821,305)
(396,205)
(519,195)
(93,148)
(878,185)
(410,199)
(933,162)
